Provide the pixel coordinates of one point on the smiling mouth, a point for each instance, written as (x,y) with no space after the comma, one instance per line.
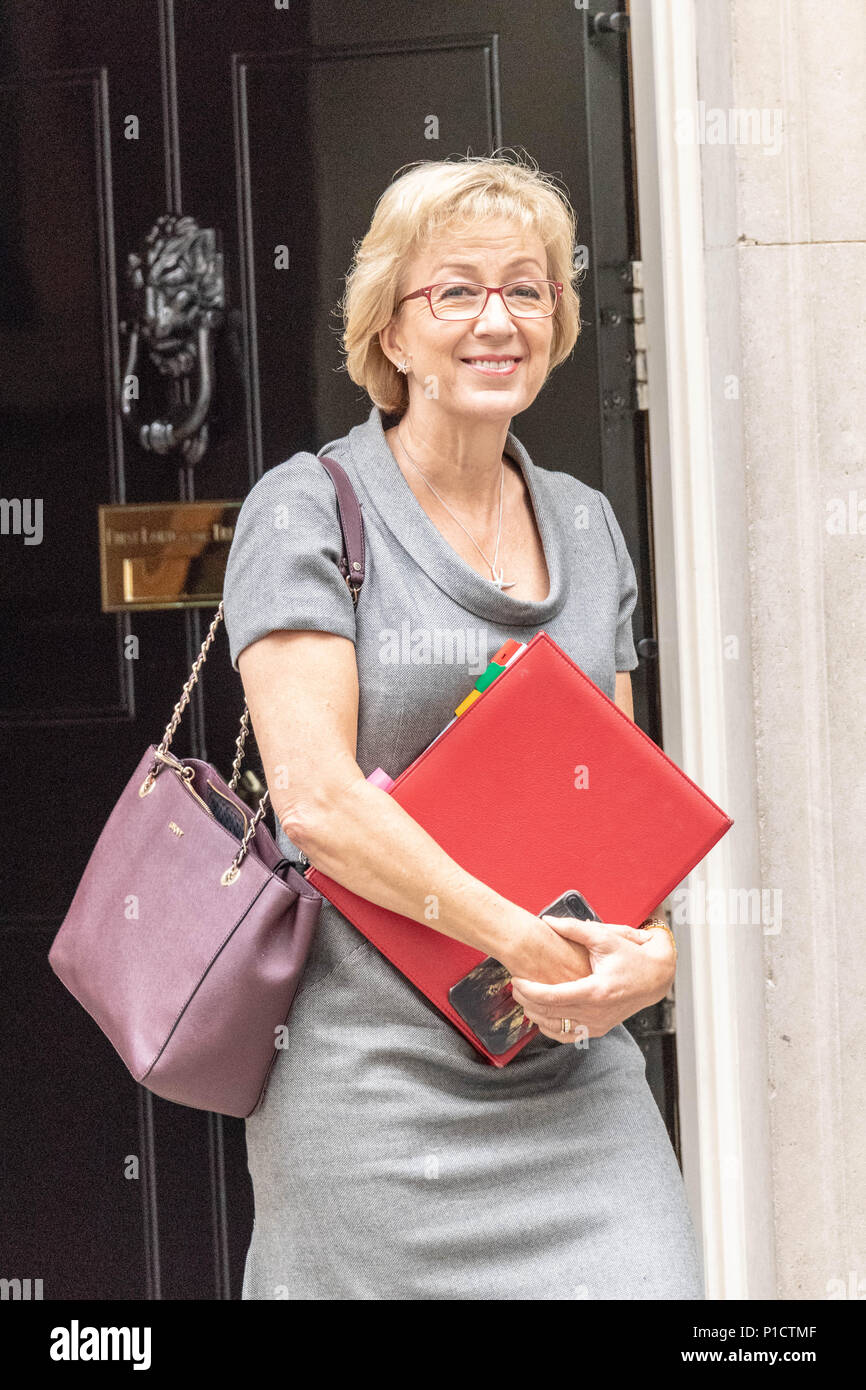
(492,366)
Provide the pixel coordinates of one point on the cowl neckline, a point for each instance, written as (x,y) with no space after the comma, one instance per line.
(400,511)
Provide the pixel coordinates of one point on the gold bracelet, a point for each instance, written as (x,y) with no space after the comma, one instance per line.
(659,922)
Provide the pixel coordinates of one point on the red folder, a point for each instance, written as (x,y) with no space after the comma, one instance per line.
(542,785)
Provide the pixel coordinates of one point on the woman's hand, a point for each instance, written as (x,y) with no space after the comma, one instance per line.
(631,969)
(535,951)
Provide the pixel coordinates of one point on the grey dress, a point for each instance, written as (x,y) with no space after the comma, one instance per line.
(389,1159)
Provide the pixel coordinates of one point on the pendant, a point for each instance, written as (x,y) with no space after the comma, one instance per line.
(500,582)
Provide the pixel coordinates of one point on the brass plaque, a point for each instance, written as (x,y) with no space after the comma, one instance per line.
(164,554)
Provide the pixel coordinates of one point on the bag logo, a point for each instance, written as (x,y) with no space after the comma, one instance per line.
(175,828)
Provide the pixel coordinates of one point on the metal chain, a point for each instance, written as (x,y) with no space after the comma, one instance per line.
(239,745)
(171,726)
(164,758)
(250,832)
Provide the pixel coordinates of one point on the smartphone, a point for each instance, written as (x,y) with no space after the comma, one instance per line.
(483,997)
(571,904)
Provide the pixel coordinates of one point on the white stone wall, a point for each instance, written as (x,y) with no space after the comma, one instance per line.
(784,207)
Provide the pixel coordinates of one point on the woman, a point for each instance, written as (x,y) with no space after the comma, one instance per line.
(389,1159)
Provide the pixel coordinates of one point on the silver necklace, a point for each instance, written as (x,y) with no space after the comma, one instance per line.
(497,574)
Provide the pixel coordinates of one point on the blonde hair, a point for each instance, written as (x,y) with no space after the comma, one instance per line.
(432,198)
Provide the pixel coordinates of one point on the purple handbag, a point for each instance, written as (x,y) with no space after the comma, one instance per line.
(187,935)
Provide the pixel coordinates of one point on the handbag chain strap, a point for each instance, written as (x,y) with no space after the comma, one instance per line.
(347,504)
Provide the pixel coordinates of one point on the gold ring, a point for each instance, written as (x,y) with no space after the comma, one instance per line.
(566,1025)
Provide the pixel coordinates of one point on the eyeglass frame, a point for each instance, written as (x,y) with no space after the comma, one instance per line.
(427,290)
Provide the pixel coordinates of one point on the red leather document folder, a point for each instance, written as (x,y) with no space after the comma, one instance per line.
(542,785)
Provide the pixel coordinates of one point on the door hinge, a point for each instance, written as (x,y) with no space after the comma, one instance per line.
(624,350)
(638,321)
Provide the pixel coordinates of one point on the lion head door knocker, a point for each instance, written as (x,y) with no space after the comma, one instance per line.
(178,302)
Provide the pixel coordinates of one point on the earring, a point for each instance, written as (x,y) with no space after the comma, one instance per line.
(403,366)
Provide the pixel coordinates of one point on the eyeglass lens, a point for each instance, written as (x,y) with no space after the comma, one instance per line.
(527,299)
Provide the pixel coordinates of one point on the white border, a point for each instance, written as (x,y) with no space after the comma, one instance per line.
(715,1029)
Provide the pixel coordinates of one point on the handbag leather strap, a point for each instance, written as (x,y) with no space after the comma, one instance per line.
(352,561)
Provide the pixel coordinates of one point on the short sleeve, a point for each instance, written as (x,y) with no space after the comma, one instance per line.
(283,566)
(625,655)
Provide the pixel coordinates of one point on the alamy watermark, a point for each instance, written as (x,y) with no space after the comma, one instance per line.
(698,906)
(738,125)
(20,1290)
(434,646)
(22,516)
(77,1343)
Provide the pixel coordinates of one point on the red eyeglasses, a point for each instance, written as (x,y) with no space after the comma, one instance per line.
(526,299)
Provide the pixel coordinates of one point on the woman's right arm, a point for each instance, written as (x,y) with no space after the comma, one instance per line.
(302,693)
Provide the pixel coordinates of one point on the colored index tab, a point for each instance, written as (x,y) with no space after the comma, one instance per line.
(379,778)
(506,652)
(489,676)
(470,700)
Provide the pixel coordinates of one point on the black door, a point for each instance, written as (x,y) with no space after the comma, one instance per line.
(277,125)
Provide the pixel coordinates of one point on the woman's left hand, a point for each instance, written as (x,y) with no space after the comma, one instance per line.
(631,969)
